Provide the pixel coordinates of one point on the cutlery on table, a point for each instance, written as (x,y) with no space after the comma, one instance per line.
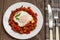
(57,28)
(50,18)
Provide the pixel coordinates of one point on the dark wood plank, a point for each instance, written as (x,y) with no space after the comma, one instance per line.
(1,9)
(38,3)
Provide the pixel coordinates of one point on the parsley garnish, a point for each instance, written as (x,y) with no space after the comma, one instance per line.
(17,16)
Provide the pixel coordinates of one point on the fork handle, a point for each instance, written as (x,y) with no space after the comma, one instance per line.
(57,33)
(51,34)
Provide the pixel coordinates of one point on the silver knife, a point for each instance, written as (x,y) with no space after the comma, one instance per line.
(50,19)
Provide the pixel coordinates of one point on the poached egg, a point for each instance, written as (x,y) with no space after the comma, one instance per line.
(22,18)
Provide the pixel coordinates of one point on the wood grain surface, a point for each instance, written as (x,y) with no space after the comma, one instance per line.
(4,4)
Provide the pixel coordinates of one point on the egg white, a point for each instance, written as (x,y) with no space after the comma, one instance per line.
(24,18)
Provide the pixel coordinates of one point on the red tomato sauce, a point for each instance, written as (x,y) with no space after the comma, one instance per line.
(28,27)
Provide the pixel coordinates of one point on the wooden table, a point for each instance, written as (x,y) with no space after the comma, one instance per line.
(4,4)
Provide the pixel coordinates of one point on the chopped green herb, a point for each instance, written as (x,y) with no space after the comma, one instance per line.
(17,15)
(17,18)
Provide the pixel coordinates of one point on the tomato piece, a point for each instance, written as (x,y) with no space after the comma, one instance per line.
(27,32)
(26,28)
(28,7)
(21,32)
(14,29)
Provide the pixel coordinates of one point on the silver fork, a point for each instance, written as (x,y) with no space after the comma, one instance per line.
(57,28)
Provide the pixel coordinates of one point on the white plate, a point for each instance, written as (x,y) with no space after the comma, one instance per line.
(17,35)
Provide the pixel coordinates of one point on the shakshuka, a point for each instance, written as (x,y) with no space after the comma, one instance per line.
(23,20)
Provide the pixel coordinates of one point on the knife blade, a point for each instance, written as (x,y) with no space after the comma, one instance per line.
(50,20)
(50,16)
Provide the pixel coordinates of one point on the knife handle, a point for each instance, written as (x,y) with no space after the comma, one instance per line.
(57,33)
(51,34)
